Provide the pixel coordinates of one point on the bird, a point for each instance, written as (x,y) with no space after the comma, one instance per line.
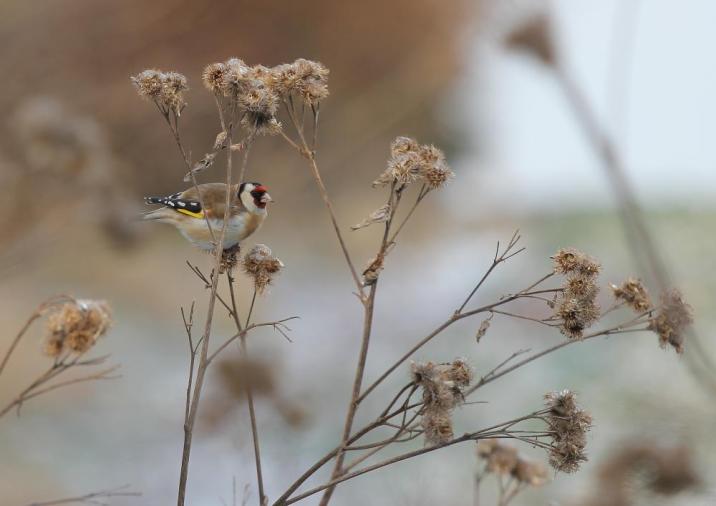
(184,211)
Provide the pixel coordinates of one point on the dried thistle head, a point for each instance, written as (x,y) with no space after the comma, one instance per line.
(459,373)
(262,266)
(233,78)
(165,89)
(402,145)
(573,261)
(580,286)
(577,314)
(213,77)
(502,459)
(442,388)
(410,162)
(229,259)
(75,326)
(569,425)
(312,82)
(671,320)
(530,472)
(149,83)
(634,293)
(437,427)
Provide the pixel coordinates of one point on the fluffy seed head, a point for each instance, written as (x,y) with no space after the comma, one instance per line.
(530,472)
(164,88)
(569,425)
(634,293)
(75,326)
(573,261)
(149,83)
(672,319)
(442,386)
(213,76)
(262,266)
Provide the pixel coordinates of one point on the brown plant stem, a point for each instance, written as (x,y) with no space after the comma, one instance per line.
(91,498)
(249,392)
(203,357)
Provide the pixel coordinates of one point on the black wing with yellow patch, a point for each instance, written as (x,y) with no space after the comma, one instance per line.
(188,207)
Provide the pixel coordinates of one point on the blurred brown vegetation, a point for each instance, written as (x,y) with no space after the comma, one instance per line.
(384,73)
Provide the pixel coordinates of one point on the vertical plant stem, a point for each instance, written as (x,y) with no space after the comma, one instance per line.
(355,395)
(203,358)
(249,391)
(263,500)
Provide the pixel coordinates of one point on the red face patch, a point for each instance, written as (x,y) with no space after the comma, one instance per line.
(261,188)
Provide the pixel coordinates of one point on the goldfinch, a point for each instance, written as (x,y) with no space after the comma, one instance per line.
(184,211)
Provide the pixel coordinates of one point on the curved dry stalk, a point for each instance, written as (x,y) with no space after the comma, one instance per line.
(473,436)
(34,389)
(91,498)
(58,299)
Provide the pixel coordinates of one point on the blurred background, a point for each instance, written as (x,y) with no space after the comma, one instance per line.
(484,81)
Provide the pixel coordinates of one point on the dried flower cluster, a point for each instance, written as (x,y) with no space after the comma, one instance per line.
(634,294)
(664,470)
(577,306)
(411,162)
(505,460)
(229,259)
(671,320)
(75,326)
(259,90)
(569,425)
(442,388)
(262,266)
(165,89)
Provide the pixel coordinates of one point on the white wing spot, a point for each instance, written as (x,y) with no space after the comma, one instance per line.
(181,204)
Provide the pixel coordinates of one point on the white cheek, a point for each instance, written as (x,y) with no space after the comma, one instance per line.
(248,202)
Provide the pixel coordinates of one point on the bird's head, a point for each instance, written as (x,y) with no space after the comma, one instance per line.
(254,196)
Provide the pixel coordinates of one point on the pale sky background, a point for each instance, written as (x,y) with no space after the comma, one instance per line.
(660,105)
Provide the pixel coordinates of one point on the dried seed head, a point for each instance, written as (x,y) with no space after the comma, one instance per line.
(262,266)
(402,145)
(442,386)
(634,293)
(213,76)
(580,286)
(312,82)
(459,372)
(437,427)
(502,459)
(576,315)
(76,326)
(573,261)
(233,79)
(380,215)
(569,425)
(438,176)
(672,319)
(149,83)
(410,162)
(229,259)
(163,88)
(530,472)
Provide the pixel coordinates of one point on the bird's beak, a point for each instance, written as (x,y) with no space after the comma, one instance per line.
(265,198)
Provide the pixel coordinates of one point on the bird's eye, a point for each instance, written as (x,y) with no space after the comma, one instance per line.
(257,194)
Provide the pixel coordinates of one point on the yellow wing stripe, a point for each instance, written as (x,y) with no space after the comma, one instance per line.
(200,214)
